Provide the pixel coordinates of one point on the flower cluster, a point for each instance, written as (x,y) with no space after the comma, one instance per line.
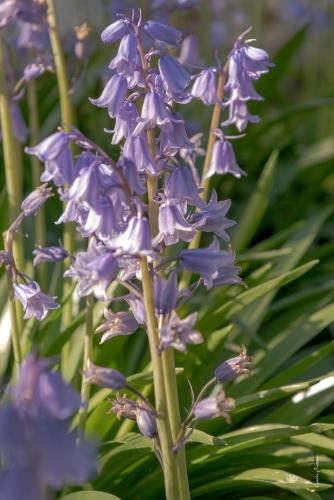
(131,210)
(38,451)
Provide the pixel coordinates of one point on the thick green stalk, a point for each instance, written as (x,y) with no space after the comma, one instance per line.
(14,189)
(165,437)
(67,119)
(36,173)
(205,183)
(87,356)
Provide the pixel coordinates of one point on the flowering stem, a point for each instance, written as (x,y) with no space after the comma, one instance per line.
(67,119)
(8,143)
(205,183)
(165,437)
(87,356)
(36,173)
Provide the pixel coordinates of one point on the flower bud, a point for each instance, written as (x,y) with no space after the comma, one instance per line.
(214,406)
(146,422)
(104,377)
(231,368)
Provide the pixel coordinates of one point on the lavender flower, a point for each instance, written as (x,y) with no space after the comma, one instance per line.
(231,368)
(31,204)
(223,160)
(212,217)
(177,333)
(172,224)
(163,33)
(49,254)
(135,239)
(136,150)
(125,60)
(112,95)
(146,422)
(33,422)
(216,266)
(214,406)
(239,115)
(205,87)
(126,121)
(180,185)
(94,270)
(115,31)
(104,377)
(116,324)
(50,148)
(165,293)
(154,112)
(34,302)
(174,77)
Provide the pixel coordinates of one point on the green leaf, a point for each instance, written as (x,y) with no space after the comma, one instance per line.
(256,207)
(90,495)
(262,476)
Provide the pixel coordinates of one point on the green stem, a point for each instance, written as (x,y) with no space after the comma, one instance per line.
(165,437)
(205,183)
(12,174)
(36,173)
(87,356)
(67,119)
(172,398)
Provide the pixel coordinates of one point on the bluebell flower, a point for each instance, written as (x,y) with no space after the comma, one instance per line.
(232,367)
(177,333)
(125,60)
(180,185)
(31,204)
(173,140)
(163,33)
(136,149)
(93,270)
(135,182)
(125,123)
(165,293)
(211,263)
(39,452)
(34,302)
(154,112)
(112,95)
(172,224)
(223,160)
(115,31)
(135,239)
(49,254)
(239,115)
(104,377)
(20,129)
(146,421)
(212,217)
(189,51)
(50,148)
(214,406)
(205,87)
(175,78)
(137,308)
(116,324)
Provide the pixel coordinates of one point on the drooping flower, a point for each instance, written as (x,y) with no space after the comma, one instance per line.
(136,150)
(50,148)
(165,293)
(175,78)
(116,324)
(231,368)
(223,160)
(126,121)
(115,31)
(239,115)
(163,33)
(34,301)
(146,421)
(135,239)
(125,60)
(154,112)
(177,333)
(173,140)
(180,185)
(139,411)
(172,224)
(31,204)
(112,95)
(205,87)
(38,450)
(49,254)
(212,217)
(104,377)
(214,406)
(93,270)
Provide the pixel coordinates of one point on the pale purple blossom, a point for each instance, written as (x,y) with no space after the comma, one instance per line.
(172,224)
(180,185)
(112,95)
(31,204)
(233,367)
(35,303)
(175,78)
(49,254)
(212,217)
(165,293)
(163,33)
(115,31)
(205,87)
(125,60)
(177,333)
(104,377)
(223,160)
(214,406)
(116,324)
